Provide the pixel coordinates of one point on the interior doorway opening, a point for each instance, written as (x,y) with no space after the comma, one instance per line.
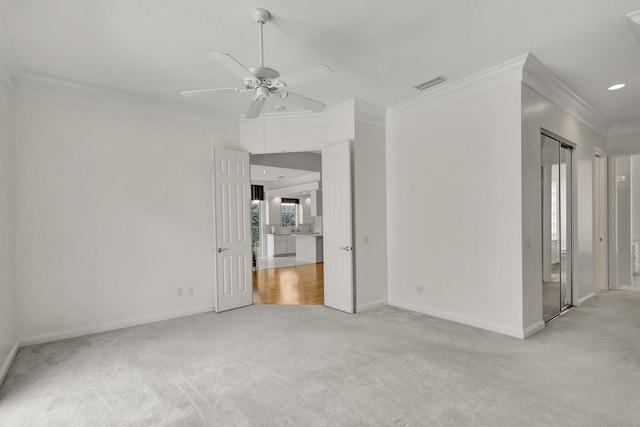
(287,234)
(626,268)
(557,196)
(601,223)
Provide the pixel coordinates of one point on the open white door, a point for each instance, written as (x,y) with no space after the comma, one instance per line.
(231,193)
(600,224)
(338,249)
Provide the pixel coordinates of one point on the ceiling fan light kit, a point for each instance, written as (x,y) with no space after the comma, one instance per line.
(265,81)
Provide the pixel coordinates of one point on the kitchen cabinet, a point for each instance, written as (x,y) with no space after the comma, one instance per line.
(309,248)
(274,211)
(316,203)
(280,244)
(304,211)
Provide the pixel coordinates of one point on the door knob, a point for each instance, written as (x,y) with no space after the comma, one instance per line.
(345,248)
(221,249)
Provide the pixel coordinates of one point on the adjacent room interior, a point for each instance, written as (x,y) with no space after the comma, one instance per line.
(286,228)
(627,223)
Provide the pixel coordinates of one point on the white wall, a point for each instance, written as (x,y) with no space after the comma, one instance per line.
(113,214)
(538,112)
(454,212)
(290,136)
(7,246)
(370,214)
(635,197)
(623,145)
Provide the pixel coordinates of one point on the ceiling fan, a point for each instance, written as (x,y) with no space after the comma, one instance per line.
(265,81)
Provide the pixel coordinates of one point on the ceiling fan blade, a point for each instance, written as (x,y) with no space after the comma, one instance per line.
(305,102)
(316,72)
(255,108)
(203,91)
(231,63)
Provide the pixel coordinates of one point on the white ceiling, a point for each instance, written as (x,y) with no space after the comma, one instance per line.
(269,174)
(377,49)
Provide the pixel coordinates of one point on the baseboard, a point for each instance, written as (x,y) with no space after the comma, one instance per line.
(490,326)
(592,295)
(120,324)
(371,305)
(8,362)
(536,327)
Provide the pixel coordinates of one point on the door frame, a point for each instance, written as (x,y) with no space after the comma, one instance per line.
(601,181)
(317,147)
(613,227)
(574,214)
(613,214)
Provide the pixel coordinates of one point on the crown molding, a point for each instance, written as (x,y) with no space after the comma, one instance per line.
(451,92)
(370,113)
(624,128)
(302,119)
(537,76)
(346,111)
(48,87)
(633,19)
(526,69)
(318,129)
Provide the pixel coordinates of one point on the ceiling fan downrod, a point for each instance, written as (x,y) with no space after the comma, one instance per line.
(261,16)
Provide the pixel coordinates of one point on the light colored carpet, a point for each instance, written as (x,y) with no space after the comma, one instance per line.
(310,365)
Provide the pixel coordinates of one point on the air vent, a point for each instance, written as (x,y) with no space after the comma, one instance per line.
(430,83)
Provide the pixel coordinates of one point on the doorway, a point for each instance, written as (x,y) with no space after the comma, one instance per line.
(287,229)
(556,225)
(627,224)
(232,230)
(601,224)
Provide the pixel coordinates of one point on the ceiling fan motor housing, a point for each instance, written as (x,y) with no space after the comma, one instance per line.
(264,73)
(262,92)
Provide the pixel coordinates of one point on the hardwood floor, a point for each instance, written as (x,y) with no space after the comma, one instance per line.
(300,284)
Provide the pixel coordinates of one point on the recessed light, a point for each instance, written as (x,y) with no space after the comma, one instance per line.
(617,86)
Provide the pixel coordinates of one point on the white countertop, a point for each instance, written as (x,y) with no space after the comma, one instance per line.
(303,234)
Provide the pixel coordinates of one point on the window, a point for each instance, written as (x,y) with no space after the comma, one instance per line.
(288,214)
(255,223)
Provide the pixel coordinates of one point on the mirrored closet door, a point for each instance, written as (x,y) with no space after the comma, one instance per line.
(556,226)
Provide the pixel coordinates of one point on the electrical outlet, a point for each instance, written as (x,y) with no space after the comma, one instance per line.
(420,289)
(190,290)
(528,305)
(179,292)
